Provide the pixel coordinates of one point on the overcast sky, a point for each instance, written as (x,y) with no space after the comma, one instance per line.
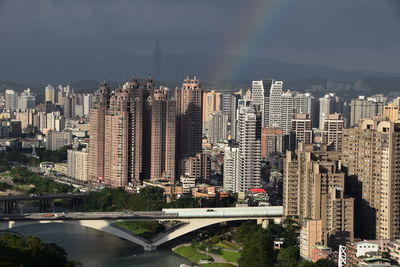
(348,34)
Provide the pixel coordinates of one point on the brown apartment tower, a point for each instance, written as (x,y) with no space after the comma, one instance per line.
(189,119)
(132,134)
(163,131)
(97,131)
(371,154)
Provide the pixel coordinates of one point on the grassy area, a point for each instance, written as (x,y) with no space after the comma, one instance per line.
(190,253)
(217,264)
(230,256)
(23,187)
(145,229)
(228,245)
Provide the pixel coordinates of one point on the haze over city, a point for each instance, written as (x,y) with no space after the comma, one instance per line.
(65,41)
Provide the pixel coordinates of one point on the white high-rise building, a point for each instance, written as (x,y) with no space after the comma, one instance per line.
(231,159)
(11,99)
(268,95)
(26,100)
(295,103)
(50,94)
(329,104)
(249,138)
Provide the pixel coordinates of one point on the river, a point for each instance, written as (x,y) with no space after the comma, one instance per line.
(96,248)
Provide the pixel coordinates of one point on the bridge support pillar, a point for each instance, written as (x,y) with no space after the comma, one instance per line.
(263,222)
(149,247)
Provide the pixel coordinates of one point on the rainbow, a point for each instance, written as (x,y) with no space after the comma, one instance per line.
(258,19)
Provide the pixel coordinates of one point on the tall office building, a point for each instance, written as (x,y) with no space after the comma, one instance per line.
(332,131)
(50,94)
(371,155)
(211,103)
(163,127)
(314,187)
(301,130)
(231,169)
(295,103)
(189,124)
(26,100)
(11,99)
(268,95)
(97,133)
(218,126)
(198,167)
(329,104)
(249,138)
(363,107)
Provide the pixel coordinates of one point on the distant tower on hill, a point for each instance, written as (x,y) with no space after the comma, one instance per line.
(157,64)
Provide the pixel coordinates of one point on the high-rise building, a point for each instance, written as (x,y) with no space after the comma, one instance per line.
(97,133)
(301,130)
(332,130)
(218,127)
(249,138)
(371,155)
(314,187)
(50,94)
(362,108)
(329,104)
(189,124)
(231,170)
(78,164)
(57,140)
(163,127)
(198,167)
(116,147)
(295,103)
(272,141)
(26,100)
(268,95)
(211,103)
(11,99)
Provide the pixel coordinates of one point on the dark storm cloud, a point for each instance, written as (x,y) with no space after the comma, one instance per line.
(356,34)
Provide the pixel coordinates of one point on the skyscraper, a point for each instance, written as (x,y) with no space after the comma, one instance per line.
(97,133)
(163,127)
(295,103)
(371,155)
(11,99)
(329,104)
(249,138)
(231,160)
(211,103)
(301,130)
(268,95)
(363,107)
(50,94)
(157,62)
(332,130)
(218,126)
(189,113)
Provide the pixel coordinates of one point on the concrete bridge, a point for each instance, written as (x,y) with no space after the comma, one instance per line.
(191,220)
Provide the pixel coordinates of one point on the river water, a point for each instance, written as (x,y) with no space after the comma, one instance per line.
(96,248)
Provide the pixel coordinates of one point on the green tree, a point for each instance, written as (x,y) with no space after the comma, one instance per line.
(288,257)
(325,263)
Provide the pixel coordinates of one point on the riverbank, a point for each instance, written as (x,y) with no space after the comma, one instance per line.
(227,258)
